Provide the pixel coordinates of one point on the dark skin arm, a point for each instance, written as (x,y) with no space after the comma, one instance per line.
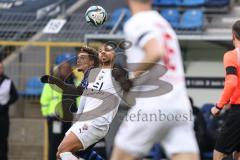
(67,89)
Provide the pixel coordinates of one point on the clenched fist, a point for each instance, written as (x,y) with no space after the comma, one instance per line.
(215,111)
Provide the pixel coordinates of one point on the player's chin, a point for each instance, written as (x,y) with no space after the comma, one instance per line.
(79,69)
(105,60)
(102,59)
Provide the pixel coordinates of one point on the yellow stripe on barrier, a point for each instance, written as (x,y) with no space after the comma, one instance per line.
(45,150)
(48,60)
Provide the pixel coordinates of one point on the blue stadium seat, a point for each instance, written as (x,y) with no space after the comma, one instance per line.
(192,20)
(116,15)
(65,57)
(172,16)
(164,2)
(33,87)
(191,3)
(217,3)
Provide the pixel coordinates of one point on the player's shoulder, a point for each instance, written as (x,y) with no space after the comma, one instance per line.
(142,19)
(230,54)
(230,57)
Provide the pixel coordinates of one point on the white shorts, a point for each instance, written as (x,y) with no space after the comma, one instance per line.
(88,133)
(154,120)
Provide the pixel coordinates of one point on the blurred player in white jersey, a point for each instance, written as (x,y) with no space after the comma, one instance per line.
(155,42)
(89,131)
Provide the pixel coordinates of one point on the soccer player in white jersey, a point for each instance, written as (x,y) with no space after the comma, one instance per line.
(86,133)
(155,42)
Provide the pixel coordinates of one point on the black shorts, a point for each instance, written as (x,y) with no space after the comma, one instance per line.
(229,137)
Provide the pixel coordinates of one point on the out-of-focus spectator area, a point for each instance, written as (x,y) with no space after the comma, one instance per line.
(29,51)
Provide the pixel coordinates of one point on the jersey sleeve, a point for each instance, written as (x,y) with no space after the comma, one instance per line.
(148,35)
(231,79)
(141,32)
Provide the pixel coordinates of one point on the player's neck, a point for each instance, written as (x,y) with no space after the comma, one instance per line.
(106,66)
(237,44)
(140,8)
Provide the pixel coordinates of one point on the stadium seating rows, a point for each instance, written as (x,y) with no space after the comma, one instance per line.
(191,3)
(116,15)
(190,20)
(216,3)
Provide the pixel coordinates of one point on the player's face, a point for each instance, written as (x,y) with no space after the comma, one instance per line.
(106,54)
(84,62)
(1,69)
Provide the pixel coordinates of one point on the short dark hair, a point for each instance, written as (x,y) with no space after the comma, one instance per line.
(236,29)
(92,53)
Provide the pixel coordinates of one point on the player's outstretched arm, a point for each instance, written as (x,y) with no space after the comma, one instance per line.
(67,89)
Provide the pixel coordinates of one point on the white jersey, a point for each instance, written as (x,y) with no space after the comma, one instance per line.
(91,100)
(172,133)
(150,24)
(101,93)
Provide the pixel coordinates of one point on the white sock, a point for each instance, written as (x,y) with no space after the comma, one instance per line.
(68,156)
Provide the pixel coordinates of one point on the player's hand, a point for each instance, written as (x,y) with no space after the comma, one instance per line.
(48,79)
(45,79)
(215,111)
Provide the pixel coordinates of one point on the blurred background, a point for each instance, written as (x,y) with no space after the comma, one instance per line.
(35,34)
